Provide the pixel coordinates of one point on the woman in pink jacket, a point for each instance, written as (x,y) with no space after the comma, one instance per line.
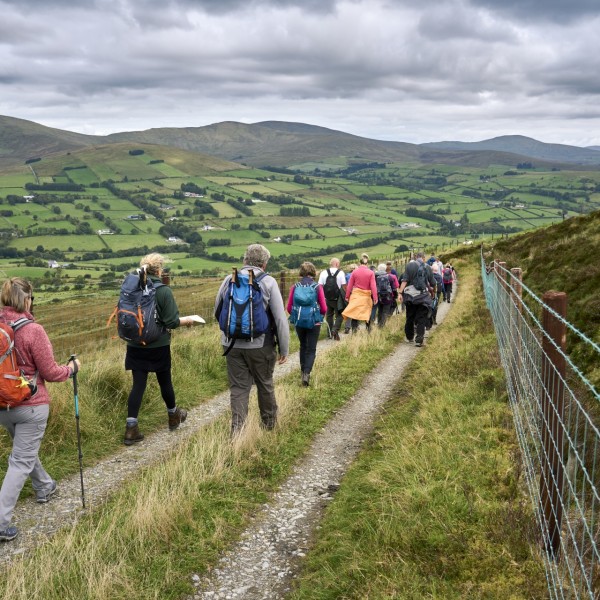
(26,422)
(361,294)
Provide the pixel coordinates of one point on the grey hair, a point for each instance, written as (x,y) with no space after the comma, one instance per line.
(381,267)
(420,255)
(334,262)
(256,255)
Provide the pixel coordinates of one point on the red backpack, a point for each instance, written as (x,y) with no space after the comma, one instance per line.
(14,386)
(447,275)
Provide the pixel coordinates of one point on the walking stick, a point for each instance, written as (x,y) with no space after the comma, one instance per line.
(76,393)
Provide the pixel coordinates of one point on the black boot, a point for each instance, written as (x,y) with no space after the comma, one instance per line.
(305,379)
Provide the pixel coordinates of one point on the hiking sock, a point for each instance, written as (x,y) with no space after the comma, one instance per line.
(131,421)
(172,411)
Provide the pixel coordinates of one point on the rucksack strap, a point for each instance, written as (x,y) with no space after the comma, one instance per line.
(16,325)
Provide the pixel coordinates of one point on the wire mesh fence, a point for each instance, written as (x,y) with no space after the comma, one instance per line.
(556,415)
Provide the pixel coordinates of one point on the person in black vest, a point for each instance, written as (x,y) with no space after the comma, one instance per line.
(154,357)
(417,289)
(333,282)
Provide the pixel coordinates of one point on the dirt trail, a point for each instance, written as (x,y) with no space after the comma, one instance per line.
(37,521)
(263,564)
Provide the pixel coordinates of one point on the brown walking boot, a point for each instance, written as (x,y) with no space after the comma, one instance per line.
(132,435)
(176,418)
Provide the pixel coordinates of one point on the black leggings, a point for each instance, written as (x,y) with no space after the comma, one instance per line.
(140,379)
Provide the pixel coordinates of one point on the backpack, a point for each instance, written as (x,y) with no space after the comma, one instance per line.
(384,288)
(241,312)
(14,386)
(420,280)
(331,289)
(136,310)
(305,310)
(447,275)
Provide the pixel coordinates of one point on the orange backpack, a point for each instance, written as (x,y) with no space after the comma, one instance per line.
(14,386)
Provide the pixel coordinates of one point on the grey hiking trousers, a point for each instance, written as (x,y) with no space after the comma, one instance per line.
(245,367)
(26,426)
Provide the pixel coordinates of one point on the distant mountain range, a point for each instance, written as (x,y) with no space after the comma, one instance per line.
(284,144)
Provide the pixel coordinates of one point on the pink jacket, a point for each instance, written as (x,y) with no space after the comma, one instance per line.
(364,279)
(320,297)
(34,352)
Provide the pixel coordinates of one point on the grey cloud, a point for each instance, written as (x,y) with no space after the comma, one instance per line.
(559,11)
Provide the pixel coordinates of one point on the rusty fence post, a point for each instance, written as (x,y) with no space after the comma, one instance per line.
(553,388)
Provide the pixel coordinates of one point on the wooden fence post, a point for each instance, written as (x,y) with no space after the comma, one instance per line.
(553,388)
(282,286)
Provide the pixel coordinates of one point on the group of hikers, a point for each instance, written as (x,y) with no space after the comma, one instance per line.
(255,326)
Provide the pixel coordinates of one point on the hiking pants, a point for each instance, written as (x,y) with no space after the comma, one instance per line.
(26,426)
(140,379)
(447,291)
(245,367)
(417,316)
(333,311)
(308,346)
(383,311)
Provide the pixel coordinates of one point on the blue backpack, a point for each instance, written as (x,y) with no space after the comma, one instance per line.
(136,310)
(305,310)
(241,314)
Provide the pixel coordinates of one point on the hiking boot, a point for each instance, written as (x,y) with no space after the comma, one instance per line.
(347,331)
(336,336)
(132,435)
(177,418)
(418,342)
(305,379)
(10,533)
(43,497)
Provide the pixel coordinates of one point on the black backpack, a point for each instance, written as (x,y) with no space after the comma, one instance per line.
(421,280)
(136,310)
(331,289)
(384,288)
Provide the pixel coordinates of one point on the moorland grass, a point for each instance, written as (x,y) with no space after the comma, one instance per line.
(174,519)
(434,507)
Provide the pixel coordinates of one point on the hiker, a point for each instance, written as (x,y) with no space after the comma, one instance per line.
(418,289)
(439,290)
(253,360)
(361,294)
(307,298)
(448,279)
(348,322)
(154,357)
(27,421)
(395,285)
(386,285)
(390,269)
(333,282)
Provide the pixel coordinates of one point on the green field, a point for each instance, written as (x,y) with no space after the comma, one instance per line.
(365,209)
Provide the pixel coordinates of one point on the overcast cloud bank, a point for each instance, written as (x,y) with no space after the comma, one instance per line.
(404,70)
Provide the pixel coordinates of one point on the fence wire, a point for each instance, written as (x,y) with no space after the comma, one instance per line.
(556,412)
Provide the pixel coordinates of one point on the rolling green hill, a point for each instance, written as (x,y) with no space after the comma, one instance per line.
(283,144)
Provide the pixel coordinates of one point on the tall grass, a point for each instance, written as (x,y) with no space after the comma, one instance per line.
(198,374)
(175,518)
(434,507)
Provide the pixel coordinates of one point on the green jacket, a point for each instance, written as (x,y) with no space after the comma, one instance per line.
(167,313)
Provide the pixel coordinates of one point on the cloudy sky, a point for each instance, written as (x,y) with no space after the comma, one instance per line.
(404,70)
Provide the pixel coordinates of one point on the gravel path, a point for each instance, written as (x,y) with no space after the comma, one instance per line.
(37,521)
(263,564)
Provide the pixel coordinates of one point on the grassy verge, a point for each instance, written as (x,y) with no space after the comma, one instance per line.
(175,518)
(433,508)
(198,374)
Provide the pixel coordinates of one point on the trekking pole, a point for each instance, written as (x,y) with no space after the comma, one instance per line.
(76,394)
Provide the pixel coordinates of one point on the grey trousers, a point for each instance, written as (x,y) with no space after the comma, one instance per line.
(26,426)
(245,367)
